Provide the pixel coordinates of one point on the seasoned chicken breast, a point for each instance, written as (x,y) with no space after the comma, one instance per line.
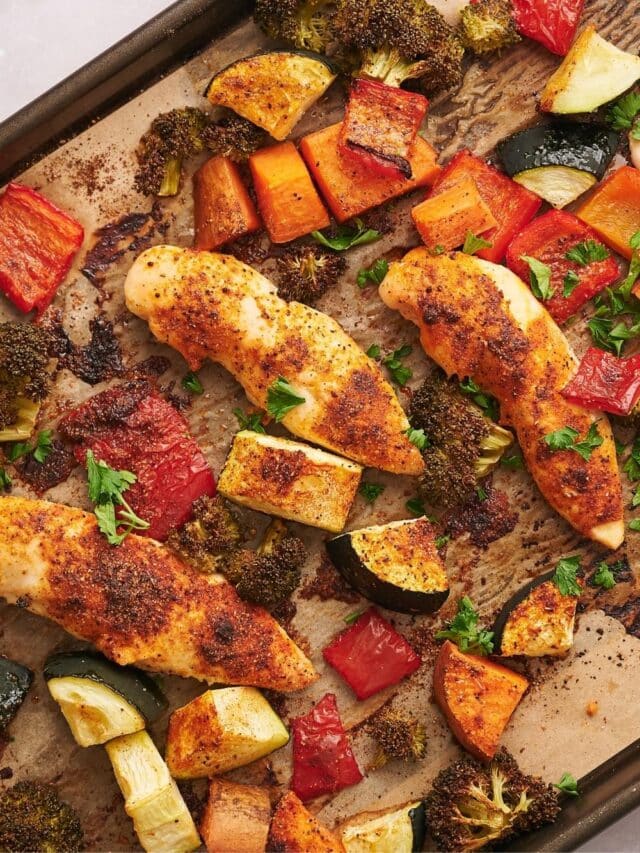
(207,305)
(478,319)
(138,603)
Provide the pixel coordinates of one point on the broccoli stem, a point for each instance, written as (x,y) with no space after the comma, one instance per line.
(171,178)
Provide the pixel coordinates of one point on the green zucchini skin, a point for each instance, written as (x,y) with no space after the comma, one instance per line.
(315,57)
(15,681)
(388,595)
(139,689)
(587,147)
(417,817)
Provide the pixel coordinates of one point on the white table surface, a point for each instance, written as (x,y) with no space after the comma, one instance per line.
(41,42)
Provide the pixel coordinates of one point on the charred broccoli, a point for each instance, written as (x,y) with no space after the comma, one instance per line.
(234,137)
(209,540)
(270,574)
(305,273)
(24,377)
(472,806)
(172,137)
(463,445)
(32,817)
(488,25)
(398,41)
(398,737)
(303,23)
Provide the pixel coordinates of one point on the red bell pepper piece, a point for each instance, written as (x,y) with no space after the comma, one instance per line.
(605,382)
(132,428)
(323,761)
(37,245)
(512,205)
(553,23)
(548,239)
(371,655)
(380,127)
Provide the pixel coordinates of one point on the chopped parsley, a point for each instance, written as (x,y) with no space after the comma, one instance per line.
(571,281)
(399,373)
(565,576)
(417,437)
(346,236)
(5,480)
(416,507)
(374,351)
(464,632)
(634,524)
(605,574)
(441,541)
(251,421)
(587,252)
(374,274)
(192,383)
(353,617)
(539,278)
(371,491)
(567,785)
(282,398)
(106,491)
(473,244)
(486,402)
(482,495)
(40,450)
(566,437)
(623,113)
(617,316)
(632,466)
(515,461)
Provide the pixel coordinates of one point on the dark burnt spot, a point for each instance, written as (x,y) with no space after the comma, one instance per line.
(131,232)
(223,629)
(434,312)
(328,585)
(151,368)
(282,469)
(96,361)
(106,410)
(55,469)
(484,520)
(628,613)
(577,479)
(23,601)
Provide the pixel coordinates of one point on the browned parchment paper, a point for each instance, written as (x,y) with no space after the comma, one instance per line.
(91,176)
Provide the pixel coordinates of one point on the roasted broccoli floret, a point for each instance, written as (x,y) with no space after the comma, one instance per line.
(401,40)
(463,445)
(24,377)
(271,573)
(303,23)
(211,538)
(234,137)
(472,806)
(306,272)
(398,737)
(488,25)
(172,137)
(33,817)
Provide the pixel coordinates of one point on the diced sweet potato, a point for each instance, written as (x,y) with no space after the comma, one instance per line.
(288,201)
(223,210)
(236,816)
(444,219)
(349,189)
(477,696)
(295,830)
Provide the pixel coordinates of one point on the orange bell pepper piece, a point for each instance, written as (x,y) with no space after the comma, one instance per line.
(614,209)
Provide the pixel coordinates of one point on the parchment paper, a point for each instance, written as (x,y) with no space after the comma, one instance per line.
(551,731)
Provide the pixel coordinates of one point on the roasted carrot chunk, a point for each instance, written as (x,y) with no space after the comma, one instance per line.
(351,189)
(295,829)
(288,201)
(614,209)
(445,219)
(477,696)
(222,208)
(238,812)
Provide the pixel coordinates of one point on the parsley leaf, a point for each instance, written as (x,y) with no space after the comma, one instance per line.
(539,277)
(393,362)
(622,114)
(282,398)
(416,506)
(463,630)
(473,244)
(191,383)
(106,492)
(346,237)
(634,524)
(571,281)
(565,439)
(635,500)
(587,252)
(374,351)
(353,617)
(417,437)
(40,450)
(374,274)
(437,249)
(251,421)
(605,575)
(514,462)
(632,466)
(371,491)
(486,402)
(5,480)
(441,541)
(565,577)
(482,495)
(568,785)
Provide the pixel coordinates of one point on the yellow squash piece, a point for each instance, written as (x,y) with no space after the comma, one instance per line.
(220,730)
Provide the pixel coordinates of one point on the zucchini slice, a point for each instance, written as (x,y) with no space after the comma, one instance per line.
(538,620)
(399,831)
(396,565)
(152,800)
(100,700)
(592,73)
(273,90)
(559,185)
(15,681)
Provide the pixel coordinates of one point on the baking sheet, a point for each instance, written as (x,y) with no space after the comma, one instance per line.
(91,176)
